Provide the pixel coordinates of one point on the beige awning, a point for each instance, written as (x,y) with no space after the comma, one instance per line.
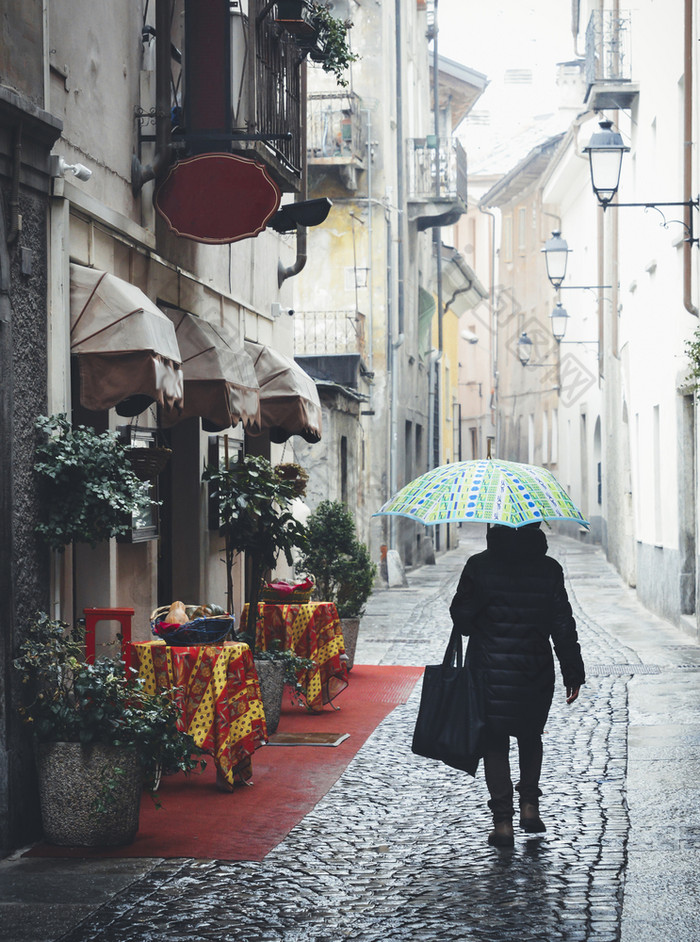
(289,403)
(126,347)
(220,382)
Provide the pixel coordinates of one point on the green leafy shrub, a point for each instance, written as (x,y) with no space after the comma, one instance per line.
(69,700)
(89,491)
(338,562)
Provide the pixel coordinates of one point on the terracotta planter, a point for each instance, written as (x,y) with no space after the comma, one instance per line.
(350,628)
(90,795)
(271,677)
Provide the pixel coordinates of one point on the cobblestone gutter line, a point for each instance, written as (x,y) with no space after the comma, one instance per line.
(396,850)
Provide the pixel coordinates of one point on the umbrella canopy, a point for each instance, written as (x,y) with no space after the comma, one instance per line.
(220,381)
(485,491)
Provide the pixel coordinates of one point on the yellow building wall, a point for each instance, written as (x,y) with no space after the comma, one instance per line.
(448,366)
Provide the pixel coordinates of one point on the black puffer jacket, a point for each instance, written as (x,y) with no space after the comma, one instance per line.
(511,600)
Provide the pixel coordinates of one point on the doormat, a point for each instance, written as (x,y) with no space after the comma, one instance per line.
(307,739)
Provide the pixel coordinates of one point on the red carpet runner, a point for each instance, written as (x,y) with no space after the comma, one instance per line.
(197,820)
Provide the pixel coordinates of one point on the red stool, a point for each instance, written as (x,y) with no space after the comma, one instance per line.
(94,615)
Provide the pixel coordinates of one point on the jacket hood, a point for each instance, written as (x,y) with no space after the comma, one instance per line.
(516,543)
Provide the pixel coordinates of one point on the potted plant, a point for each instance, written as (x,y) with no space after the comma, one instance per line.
(254,502)
(89,489)
(340,565)
(99,735)
(329,43)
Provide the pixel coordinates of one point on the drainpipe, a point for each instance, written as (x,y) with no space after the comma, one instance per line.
(300,261)
(495,415)
(688,154)
(15,218)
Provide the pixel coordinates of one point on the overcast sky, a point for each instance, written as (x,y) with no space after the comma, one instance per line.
(505,35)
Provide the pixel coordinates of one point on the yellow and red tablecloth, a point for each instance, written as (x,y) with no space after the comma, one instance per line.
(218,694)
(311,630)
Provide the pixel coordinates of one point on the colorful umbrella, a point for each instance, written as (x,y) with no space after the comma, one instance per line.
(485,491)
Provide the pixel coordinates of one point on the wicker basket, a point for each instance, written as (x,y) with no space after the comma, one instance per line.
(147,463)
(212,630)
(296,596)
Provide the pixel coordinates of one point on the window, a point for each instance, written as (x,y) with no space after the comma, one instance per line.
(508,239)
(522,230)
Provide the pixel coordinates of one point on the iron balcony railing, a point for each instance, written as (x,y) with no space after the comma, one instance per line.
(320,332)
(608,47)
(436,172)
(335,128)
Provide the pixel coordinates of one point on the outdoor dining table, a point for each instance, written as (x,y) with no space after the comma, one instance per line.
(217,690)
(311,630)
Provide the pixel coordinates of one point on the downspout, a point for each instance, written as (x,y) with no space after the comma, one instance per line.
(437,235)
(300,261)
(15,218)
(495,417)
(688,155)
(399,165)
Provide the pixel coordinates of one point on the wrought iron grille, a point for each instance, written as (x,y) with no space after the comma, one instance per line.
(430,177)
(335,126)
(278,106)
(608,47)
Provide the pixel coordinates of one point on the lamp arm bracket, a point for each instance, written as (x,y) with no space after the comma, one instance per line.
(689,204)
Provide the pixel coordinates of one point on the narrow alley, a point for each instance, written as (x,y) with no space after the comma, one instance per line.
(408,859)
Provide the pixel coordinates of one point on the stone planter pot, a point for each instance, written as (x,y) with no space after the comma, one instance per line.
(350,627)
(271,677)
(90,795)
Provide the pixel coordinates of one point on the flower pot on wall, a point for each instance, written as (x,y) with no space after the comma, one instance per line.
(271,677)
(295,16)
(350,628)
(90,795)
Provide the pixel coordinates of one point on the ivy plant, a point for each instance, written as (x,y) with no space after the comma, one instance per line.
(89,491)
(331,49)
(692,349)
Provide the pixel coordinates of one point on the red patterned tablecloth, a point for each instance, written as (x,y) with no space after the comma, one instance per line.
(219,698)
(312,630)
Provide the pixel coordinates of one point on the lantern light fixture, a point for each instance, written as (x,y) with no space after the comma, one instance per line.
(605,151)
(556,254)
(558,321)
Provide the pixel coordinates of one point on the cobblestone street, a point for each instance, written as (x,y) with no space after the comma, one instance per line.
(408,859)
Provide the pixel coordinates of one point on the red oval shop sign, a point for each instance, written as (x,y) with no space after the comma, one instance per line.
(217,198)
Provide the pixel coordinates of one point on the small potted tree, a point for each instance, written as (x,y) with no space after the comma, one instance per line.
(340,565)
(254,502)
(98,735)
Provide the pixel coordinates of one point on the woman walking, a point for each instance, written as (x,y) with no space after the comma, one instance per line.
(510,601)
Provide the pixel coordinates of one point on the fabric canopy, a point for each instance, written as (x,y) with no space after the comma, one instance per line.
(289,403)
(126,347)
(220,382)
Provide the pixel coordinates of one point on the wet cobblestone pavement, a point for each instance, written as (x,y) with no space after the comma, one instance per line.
(408,858)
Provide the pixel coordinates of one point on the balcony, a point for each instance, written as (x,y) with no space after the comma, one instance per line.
(608,62)
(336,134)
(329,332)
(437,181)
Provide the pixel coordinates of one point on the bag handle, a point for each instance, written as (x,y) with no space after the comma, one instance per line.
(453,651)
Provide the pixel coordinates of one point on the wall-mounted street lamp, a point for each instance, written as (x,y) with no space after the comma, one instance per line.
(558,320)
(556,254)
(605,152)
(524,348)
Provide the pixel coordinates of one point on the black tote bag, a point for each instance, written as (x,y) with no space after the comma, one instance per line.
(451,721)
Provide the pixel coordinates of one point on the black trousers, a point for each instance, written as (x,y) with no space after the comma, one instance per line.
(497,772)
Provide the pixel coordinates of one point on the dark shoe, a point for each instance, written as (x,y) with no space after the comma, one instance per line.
(502,835)
(530,820)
